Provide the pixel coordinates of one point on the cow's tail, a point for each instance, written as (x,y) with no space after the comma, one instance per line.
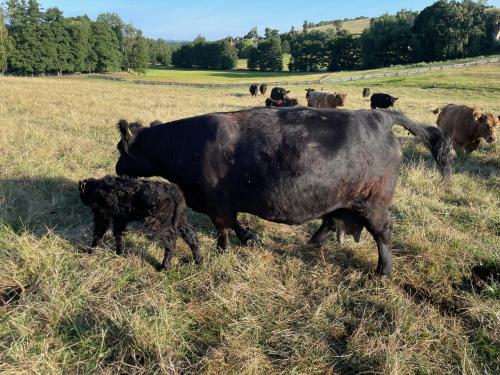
(433,138)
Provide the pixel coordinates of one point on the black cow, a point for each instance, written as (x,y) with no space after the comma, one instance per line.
(287,165)
(287,102)
(379,100)
(263,88)
(279,93)
(366,92)
(254,90)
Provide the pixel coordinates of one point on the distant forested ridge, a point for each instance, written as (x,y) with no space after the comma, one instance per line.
(33,41)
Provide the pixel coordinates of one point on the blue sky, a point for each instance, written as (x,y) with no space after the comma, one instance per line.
(215,19)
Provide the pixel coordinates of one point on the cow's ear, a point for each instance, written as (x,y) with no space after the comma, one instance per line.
(396,99)
(476,115)
(124,128)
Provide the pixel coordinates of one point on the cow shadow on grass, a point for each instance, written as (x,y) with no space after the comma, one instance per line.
(43,205)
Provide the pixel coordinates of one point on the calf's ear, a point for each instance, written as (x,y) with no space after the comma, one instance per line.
(124,128)
(81,186)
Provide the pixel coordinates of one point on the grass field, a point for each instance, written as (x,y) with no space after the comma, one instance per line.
(242,75)
(277,309)
(355,27)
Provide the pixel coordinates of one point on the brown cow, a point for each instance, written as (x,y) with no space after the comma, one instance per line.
(320,99)
(466,125)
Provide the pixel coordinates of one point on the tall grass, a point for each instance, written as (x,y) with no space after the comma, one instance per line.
(277,309)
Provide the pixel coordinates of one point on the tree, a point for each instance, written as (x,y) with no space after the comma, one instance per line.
(4,43)
(345,53)
(135,50)
(270,55)
(389,40)
(285,46)
(310,52)
(56,41)
(244,46)
(253,58)
(118,26)
(448,30)
(106,47)
(252,34)
(82,56)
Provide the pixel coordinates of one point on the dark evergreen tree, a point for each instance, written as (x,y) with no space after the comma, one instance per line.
(389,40)
(253,59)
(449,29)
(82,55)
(106,47)
(345,53)
(270,55)
(310,52)
(56,41)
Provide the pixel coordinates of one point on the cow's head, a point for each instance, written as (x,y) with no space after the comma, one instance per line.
(132,162)
(86,188)
(340,98)
(487,124)
(307,92)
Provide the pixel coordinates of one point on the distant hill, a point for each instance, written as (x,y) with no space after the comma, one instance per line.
(355,27)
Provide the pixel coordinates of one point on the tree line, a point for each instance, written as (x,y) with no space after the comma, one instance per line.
(33,41)
(445,30)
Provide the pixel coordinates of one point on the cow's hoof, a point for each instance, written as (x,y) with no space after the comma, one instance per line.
(161,268)
(90,250)
(252,243)
(198,260)
(384,270)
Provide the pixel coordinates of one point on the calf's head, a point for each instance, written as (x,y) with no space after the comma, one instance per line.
(487,125)
(86,188)
(133,160)
(307,92)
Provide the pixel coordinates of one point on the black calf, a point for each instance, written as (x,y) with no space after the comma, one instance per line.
(160,207)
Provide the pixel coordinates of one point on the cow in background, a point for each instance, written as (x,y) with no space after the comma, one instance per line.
(279,93)
(366,92)
(380,100)
(263,88)
(466,126)
(254,90)
(321,99)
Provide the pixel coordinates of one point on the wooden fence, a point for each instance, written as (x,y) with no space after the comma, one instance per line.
(326,80)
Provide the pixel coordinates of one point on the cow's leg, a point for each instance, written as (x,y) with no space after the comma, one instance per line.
(118,229)
(168,240)
(379,225)
(327,226)
(101,225)
(222,226)
(188,235)
(244,235)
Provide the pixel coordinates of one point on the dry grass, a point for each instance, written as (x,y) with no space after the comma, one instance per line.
(278,309)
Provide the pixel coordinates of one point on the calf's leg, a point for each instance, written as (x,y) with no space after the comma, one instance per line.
(118,229)
(168,240)
(244,235)
(101,225)
(188,235)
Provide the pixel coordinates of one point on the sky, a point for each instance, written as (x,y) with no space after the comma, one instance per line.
(216,19)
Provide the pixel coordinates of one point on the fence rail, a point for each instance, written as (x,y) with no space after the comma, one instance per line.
(287,83)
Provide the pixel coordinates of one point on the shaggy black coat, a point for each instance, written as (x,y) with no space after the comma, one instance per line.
(263,88)
(254,90)
(380,100)
(279,93)
(160,207)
